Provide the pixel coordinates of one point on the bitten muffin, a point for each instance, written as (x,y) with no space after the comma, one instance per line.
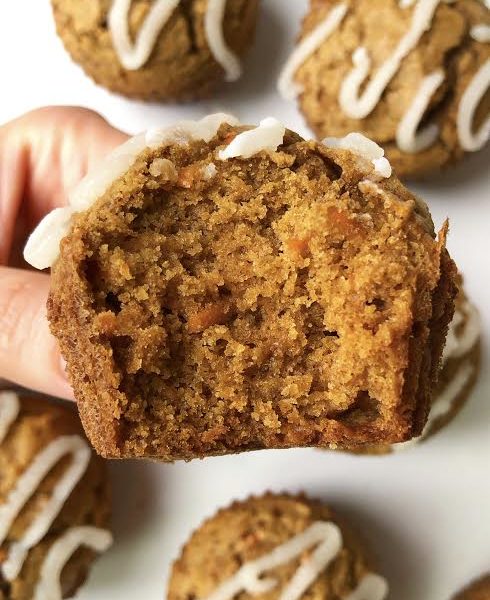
(165,50)
(461,363)
(223,288)
(421,89)
(479,590)
(275,546)
(54,501)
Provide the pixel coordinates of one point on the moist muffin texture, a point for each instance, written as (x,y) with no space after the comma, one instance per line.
(287,300)
(181,65)
(479,590)
(251,529)
(467,361)
(447,45)
(39,423)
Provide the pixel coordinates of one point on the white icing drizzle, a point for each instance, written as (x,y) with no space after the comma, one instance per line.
(443,403)
(287,87)
(364,147)
(360,106)
(326,537)
(371,587)
(9,411)
(98,180)
(460,343)
(49,587)
(481,33)
(213,24)
(185,132)
(134,55)
(472,97)
(446,398)
(407,138)
(42,248)
(63,548)
(267,137)
(27,484)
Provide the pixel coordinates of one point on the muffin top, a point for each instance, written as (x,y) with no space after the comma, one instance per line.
(420,90)
(54,500)
(162,49)
(275,546)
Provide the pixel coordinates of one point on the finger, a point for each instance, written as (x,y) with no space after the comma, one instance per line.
(43,156)
(13,168)
(29,355)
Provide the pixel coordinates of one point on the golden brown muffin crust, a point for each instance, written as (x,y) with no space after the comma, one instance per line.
(248,530)
(479,590)
(449,370)
(181,66)
(447,45)
(285,301)
(40,422)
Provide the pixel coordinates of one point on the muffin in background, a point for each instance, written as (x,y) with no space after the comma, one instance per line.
(167,50)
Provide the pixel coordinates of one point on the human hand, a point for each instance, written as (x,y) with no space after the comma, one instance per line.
(43,156)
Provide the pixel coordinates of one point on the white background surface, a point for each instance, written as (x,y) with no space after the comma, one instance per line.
(426,512)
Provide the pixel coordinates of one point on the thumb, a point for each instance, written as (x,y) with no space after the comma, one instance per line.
(29,355)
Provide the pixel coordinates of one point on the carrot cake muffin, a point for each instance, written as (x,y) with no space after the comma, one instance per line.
(420,90)
(54,501)
(157,49)
(461,362)
(275,546)
(222,288)
(479,590)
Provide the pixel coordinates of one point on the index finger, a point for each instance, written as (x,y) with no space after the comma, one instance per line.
(43,156)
